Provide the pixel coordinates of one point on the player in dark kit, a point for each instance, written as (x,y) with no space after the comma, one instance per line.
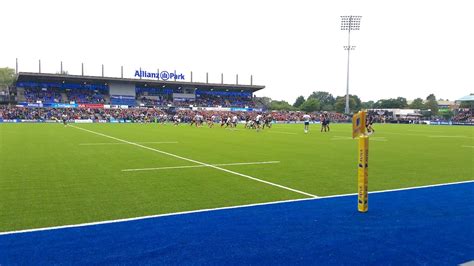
(327,122)
(368,125)
(247,122)
(64,118)
(267,122)
(324,123)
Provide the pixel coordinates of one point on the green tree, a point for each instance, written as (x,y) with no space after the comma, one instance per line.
(417,104)
(367,105)
(280,105)
(432,104)
(354,103)
(311,105)
(327,107)
(7,77)
(299,101)
(340,104)
(324,98)
(398,103)
(402,102)
(357,102)
(431,97)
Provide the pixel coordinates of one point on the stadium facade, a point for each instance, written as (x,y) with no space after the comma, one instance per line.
(164,90)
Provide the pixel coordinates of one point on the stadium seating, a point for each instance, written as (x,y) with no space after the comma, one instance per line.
(43,94)
(85,96)
(148,96)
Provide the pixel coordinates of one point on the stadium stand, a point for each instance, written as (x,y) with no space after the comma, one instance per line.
(224,99)
(50,95)
(85,96)
(463,115)
(58,88)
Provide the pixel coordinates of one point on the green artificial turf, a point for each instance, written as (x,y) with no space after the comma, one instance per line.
(48,177)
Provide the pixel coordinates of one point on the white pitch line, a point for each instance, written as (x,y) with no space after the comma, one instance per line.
(427,131)
(429,136)
(454,136)
(466,146)
(282,132)
(196,166)
(219,209)
(349,138)
(121,143)
(198,162)
(404,134)
(342,138)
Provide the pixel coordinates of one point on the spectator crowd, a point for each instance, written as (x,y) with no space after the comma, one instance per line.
(145,114)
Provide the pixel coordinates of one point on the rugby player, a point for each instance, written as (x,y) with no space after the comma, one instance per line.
(258,120)
(368,125)
(306,119)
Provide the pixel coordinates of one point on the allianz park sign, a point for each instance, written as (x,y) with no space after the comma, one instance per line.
(163,75)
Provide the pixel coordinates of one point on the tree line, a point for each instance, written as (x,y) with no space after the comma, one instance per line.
(325,101)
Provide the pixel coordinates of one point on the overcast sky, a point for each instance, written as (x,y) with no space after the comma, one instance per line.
(404,48)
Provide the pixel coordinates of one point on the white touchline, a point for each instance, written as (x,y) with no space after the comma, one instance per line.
(219,209)
(196,166)
(121,143)
(198,162)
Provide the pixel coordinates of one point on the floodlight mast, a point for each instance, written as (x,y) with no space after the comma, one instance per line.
(349,23)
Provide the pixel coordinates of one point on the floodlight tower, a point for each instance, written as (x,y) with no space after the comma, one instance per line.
(349,23)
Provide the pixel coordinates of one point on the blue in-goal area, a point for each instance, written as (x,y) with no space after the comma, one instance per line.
(433,226)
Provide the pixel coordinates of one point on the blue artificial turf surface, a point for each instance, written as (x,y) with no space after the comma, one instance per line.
(421,226)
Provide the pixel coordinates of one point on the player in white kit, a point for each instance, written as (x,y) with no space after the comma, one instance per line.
(306,119)
(258,121)
(234,121)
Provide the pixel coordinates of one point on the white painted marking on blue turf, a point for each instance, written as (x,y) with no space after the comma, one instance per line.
(197,166)
(467,263)
(198,162)
(218,209)
(121,143)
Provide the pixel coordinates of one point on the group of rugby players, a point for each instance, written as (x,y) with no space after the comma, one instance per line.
(324,118)
(258,121)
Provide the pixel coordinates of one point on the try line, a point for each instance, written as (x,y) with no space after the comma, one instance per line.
(197,162)
(196,166)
